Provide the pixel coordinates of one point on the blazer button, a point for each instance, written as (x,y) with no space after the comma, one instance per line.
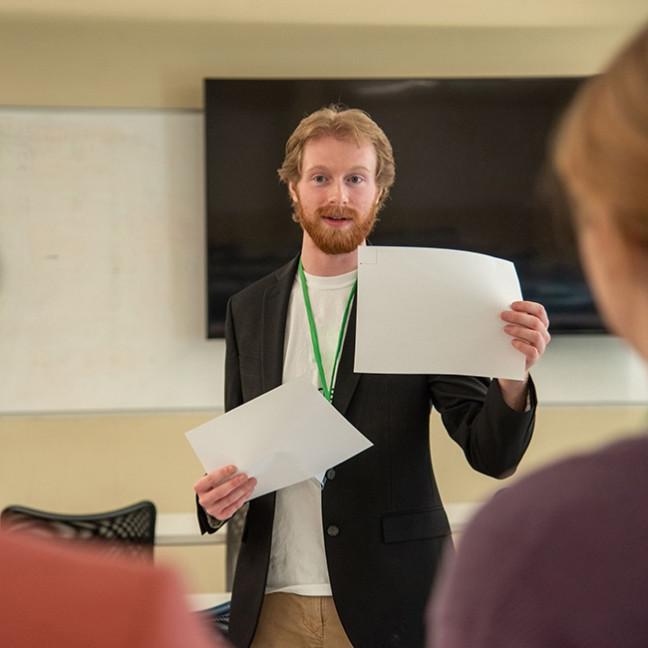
(332,530)
(330,473)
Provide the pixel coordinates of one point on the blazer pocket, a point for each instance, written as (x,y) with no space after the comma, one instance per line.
(415,525)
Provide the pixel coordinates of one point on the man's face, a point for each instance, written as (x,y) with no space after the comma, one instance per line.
(336,196)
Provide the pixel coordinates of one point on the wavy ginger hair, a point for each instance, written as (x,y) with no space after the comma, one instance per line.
(342,123)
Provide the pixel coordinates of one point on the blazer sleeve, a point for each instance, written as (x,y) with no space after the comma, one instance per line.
(493,436)
(233,398)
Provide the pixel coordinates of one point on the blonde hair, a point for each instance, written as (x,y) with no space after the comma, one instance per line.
(602,142)
(342,123)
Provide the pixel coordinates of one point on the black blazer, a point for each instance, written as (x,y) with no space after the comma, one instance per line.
(383,521)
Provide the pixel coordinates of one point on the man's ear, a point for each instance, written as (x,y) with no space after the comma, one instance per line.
(293,192)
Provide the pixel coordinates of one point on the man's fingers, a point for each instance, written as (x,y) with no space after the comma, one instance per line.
(214,478)
(531,353)
(210,498)
(522,320)
(225,507)
(228,511)
(537,339)
(533,308)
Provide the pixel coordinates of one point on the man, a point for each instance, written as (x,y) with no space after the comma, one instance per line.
(352,563)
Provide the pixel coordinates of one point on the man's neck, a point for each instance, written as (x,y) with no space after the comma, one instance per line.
(319,263)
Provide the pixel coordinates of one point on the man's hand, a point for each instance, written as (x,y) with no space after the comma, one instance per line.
(527,323)
(222,492)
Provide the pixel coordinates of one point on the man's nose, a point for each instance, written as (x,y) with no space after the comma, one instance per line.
(338,194)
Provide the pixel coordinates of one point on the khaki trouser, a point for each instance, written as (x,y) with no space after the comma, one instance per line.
(293,621)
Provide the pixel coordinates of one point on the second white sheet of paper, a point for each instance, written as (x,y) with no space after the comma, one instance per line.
(434,311)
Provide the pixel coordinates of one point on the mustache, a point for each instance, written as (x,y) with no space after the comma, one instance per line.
(331,211)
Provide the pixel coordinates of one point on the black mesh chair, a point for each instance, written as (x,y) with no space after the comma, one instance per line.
(219,615)
(129,530)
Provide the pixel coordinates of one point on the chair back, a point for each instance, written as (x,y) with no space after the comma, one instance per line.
(129,530)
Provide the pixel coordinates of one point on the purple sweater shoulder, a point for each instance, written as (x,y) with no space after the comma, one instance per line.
(560,558)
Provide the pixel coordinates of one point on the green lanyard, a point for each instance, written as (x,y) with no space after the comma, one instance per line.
(326,387)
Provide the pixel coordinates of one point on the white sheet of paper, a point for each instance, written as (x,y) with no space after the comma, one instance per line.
(285,436)
(429,311)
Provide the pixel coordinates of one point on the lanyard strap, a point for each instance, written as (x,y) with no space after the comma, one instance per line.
(327,388)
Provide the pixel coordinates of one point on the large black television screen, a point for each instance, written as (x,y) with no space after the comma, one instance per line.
(469,156)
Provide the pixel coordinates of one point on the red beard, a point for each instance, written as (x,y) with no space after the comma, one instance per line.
(336,241)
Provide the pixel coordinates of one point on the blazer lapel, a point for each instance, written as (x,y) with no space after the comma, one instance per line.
(275,313)
(347,381)
(273,324)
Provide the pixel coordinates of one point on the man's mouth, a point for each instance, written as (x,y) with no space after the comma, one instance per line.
(337,217)
(337,221)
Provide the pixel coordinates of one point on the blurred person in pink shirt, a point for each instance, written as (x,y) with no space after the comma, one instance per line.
(52,594)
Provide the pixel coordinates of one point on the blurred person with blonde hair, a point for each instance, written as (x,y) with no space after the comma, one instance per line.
(559,558)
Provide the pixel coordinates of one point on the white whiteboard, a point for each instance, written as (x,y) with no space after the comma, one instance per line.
(102,286)
(102,283)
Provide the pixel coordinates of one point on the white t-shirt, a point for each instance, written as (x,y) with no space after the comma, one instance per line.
(297,558)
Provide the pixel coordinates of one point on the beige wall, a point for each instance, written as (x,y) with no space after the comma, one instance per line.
(54,62)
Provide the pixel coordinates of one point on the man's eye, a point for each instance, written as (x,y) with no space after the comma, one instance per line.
(356,179)
(319,179)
